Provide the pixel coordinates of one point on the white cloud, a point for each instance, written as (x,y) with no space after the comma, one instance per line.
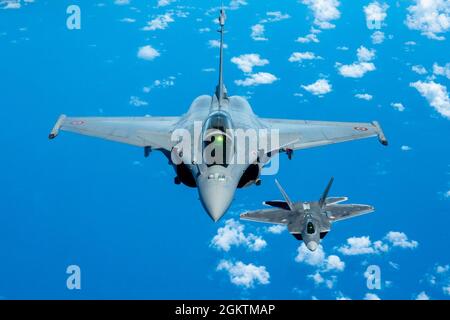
(246,62)
(128,20)
(400,239)
(300,56)
(312,258)
(419,69)
(447,194)
(364,54)
(379,246)
(422,296)
(236,4)
(246,275)
(13,4)
(208,69)
(357,246)
(364,96)
(203,30)
(312,37)
(319,259)
(259,28)
(431,279)
(163,3)
(341,296)
(121,2)
(275,16)
(446,290)
(371,296)
(216,44)
(137,102)
(360,68)
(394,265)
(164,83)
(363,245)
(440,277)
(442,269)
(375,14)
(232,234)
(10,4)
(160,22)
(355,70)
(258,32)
(257,79)
(342,48)
(442,70)
(324,12)
(147,53)
(398,106)
(406,148)
(276,229)
(436,95)
(430,17)
(180,13)
(319,88)
(377,37)
(331,282)
(335,263)
(317,278)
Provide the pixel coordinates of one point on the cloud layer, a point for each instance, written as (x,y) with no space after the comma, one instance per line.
(232,234)
(319,88)
(245,275)
(436,95)
(430,17)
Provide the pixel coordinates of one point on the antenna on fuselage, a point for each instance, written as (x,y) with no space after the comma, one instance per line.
(220,89)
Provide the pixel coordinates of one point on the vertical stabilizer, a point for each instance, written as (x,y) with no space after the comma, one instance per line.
(323,199)
(285,196)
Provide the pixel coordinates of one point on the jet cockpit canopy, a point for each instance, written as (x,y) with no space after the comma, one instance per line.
(218,142)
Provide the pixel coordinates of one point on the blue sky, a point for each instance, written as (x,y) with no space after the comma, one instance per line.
(136,235)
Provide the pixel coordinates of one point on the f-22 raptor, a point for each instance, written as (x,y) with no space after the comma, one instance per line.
(219,116)
(308,221)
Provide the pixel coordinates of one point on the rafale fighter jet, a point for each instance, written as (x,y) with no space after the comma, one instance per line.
(308,221)
(210,127)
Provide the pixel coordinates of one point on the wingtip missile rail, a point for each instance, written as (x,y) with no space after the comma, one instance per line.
(54,133)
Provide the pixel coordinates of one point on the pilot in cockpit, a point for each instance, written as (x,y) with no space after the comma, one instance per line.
(218,143)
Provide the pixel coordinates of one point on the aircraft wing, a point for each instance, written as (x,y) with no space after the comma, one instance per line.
(302,134)
(152,132)
(278,216)
(345,211)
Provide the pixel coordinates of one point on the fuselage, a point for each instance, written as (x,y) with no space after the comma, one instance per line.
(311,224)
(208,123)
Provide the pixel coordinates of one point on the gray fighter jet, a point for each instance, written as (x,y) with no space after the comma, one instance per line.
(217,117)
(308,221)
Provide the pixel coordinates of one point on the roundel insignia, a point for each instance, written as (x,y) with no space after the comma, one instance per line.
(77,122)
(360,128)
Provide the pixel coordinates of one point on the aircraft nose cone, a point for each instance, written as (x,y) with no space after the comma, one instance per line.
(312,245)
(216,197)
(216,208)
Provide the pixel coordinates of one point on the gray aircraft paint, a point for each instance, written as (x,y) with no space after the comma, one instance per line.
(217,183)
(308,221)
